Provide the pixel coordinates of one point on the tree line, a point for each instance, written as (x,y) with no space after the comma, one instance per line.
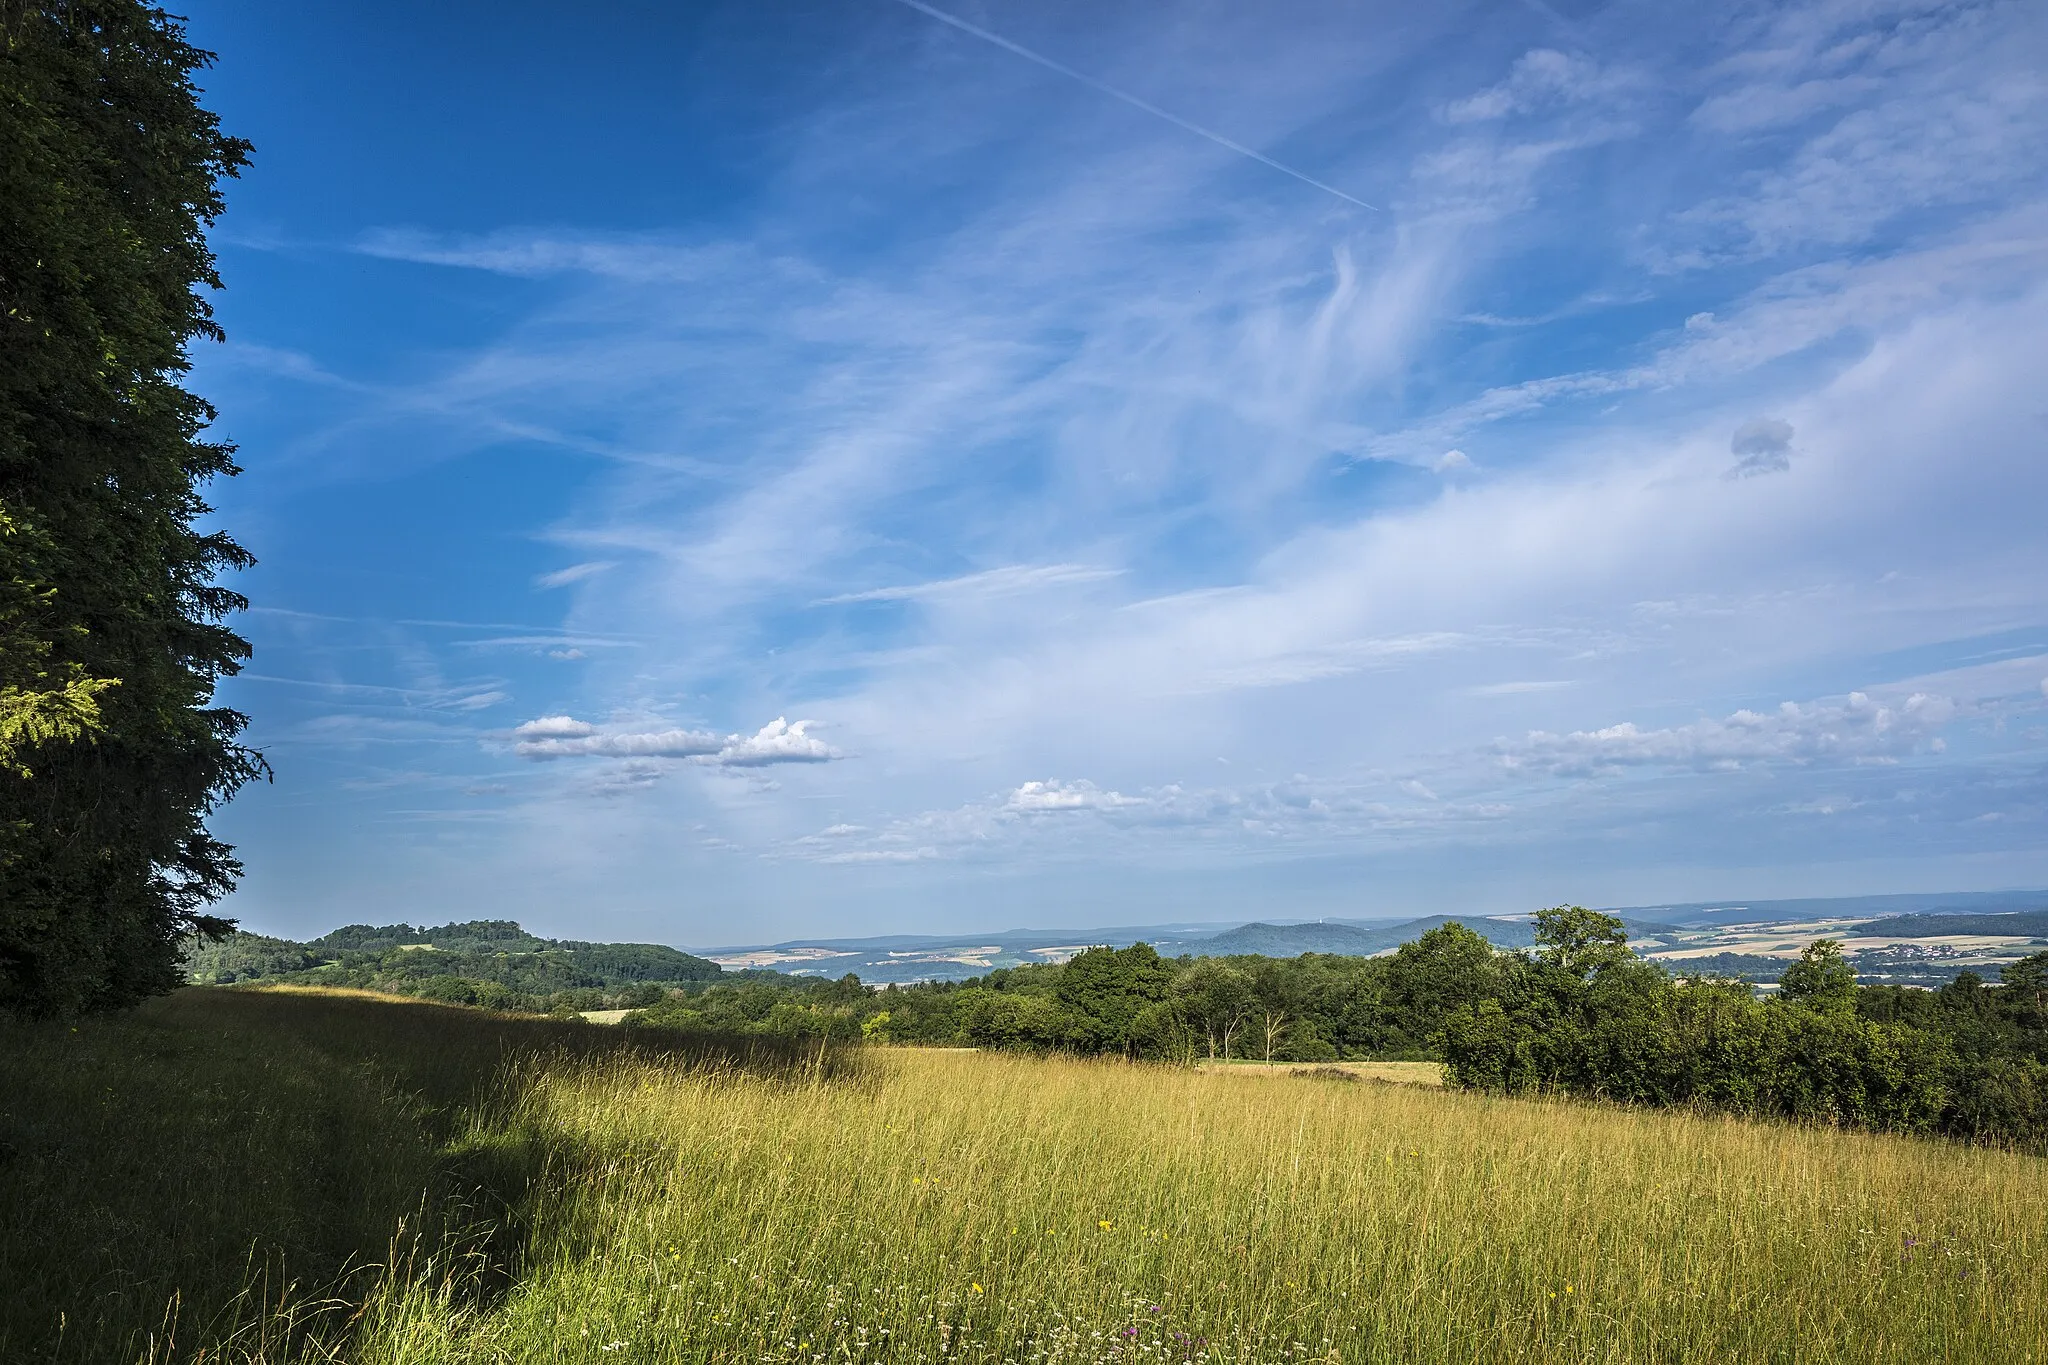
(1576,1013)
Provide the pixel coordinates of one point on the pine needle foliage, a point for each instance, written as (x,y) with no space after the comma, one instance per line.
(112,753)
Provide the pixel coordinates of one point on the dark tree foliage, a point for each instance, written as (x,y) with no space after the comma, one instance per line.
(111,634)
(1584,1016)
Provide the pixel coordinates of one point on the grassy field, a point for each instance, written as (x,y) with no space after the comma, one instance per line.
(1400,1073)
(599,1197)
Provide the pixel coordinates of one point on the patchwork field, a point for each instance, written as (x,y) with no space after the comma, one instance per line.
(591,1195)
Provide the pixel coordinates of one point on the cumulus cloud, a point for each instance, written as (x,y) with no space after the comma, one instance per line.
(1761,446)
(1856,729)
(779,741)
(1035,798)
(554,727)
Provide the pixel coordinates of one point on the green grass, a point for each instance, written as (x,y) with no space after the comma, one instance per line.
(235,1171)
(596,1197)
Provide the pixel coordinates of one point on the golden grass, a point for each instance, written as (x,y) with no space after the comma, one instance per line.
(608,1197)
(990,1207)
(1398,1073)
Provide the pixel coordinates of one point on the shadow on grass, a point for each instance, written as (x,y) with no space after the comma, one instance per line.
(225,1174)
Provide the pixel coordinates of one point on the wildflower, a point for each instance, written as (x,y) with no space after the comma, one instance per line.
(978,1289)
(1104,1224)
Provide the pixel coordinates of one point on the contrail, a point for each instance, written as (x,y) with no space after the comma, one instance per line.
(1176,120)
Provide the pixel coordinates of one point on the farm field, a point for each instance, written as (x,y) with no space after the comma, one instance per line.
(576,1193)
(1785,940)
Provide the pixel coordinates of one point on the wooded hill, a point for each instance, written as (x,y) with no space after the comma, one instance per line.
(494,963)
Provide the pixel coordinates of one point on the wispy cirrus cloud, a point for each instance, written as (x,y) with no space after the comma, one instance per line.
(1013,578)
(1068,443)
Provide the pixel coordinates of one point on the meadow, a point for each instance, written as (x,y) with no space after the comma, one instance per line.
(323,1177)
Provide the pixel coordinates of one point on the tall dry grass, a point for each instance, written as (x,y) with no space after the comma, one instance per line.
(982,1207)
(220,1179)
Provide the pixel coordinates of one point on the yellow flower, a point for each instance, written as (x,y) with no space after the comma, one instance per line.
(978,1289)
(1104,1224)
(1569,1290)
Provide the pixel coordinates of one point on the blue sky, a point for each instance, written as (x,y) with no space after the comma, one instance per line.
(726,472)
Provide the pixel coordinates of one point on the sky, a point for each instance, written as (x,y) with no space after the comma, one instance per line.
(729,472)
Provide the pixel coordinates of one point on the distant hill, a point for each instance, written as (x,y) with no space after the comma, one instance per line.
(1699,914)
(1292,940)
(2029,923)
(470,936)
(395,955)
(1355,940)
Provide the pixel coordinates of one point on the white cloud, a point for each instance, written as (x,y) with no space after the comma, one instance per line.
(883,855)
(643,744)
(1016,578)
(1856,729)
(575,572)
(1540,77)
(554,727)
(633,259)
(779,741)
(1521,687)
(1451,462)
(1036,798)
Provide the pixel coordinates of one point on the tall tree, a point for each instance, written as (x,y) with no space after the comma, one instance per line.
(111,636)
